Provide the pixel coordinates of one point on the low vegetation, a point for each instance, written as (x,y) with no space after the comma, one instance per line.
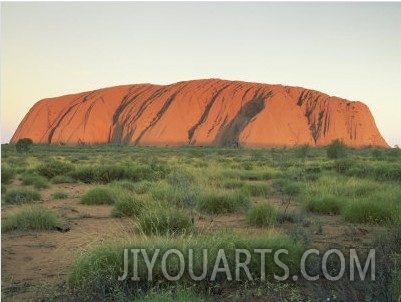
(22,195)
(164,221)
(212,198)
(31,219)
(98,196)
(262,215)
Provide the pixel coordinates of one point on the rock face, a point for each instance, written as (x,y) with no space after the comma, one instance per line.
(201,112)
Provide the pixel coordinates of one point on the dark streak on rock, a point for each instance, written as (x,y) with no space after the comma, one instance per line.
(205,114)
(229,135)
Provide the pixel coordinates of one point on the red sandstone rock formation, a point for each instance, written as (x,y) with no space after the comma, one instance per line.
(201,112)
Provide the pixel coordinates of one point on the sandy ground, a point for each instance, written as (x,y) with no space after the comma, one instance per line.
(34,265)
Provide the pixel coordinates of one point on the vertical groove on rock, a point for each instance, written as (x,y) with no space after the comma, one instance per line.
(229,135)
(205,114)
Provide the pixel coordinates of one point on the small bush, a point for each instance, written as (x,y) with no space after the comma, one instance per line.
(262,215)
(24,145)
(98,196)
(221,202)
(302,151)
(54,168)
(233,184)
(35,219)
(22,195)
(164,221)
(292,189)
(60,194)
(336,149)
(258,189)
(88,272)
(343,165)
(7,174)
(330,205)
(131,207)
(371,211)
(38,181)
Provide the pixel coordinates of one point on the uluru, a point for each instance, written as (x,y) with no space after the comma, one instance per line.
(201,112)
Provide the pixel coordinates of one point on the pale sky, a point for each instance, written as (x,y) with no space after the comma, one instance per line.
(349,50)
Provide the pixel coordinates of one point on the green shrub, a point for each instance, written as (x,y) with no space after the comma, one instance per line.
(343,165)
(262,215)
(164,221)
(330,205)
(221,202)
(7,174)
(54,168)
(88,272)
(372,211)
(59,194)
(233,184)
(336,149)
(143,187)
(302,151)
(22,195)
(258,189)
(24,145)
(291,189)
(35,219)
(38,181)
(98,196)
(3,189)
(131,207)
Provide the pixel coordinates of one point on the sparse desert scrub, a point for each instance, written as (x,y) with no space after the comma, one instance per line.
(59,194)
(141,187)
(108,173)
(215,201)
(131,206)
(7,174)
(22,195)
(372,210)
(164,221)
(262,215)
(260,189)
(30,219)
(88,273)
(38,181)
(329,204)
(53,168)
(98,196)
(336,149)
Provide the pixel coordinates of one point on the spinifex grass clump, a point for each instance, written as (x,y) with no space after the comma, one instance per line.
(100,268)
(164,221)
(372,210)
(221,202)
(31,219)
(331,205)
(7,174)
(22,195)
(98,196)
(38,181)
(53,168)
(130,206)
(262,215)
(258,189)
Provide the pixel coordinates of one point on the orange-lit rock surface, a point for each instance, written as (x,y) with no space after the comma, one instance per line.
(201,112)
